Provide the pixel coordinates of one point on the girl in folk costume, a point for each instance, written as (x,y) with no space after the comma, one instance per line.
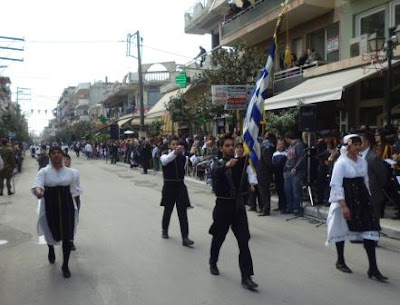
(55,186)
(351,214)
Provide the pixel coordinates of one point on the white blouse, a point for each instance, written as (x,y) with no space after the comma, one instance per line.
(49,176)
(346,168)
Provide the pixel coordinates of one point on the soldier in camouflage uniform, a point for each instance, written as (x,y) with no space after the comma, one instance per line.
(7,155)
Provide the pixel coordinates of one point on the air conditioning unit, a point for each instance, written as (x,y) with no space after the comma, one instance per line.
(359,45)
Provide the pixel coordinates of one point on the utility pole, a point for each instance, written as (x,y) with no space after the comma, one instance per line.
(139,58)
(23,94)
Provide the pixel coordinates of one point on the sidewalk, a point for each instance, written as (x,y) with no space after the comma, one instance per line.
(390,227)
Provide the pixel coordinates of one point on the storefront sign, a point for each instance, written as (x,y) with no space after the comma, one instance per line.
(233,97)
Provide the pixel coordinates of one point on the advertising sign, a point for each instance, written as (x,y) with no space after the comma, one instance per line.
(233,97)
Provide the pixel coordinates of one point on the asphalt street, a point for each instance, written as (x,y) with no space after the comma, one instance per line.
(121,258)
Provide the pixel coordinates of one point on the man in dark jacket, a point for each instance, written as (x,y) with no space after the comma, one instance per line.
(376,174)
(144,150)
(265,172)
(230,184)
(43,157)
(9,165)
(294,173)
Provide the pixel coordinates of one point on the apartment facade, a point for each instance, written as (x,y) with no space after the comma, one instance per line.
(342,33)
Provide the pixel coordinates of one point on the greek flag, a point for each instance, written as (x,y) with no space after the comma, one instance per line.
(255,111)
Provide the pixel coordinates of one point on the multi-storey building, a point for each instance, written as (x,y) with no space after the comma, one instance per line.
(351,79)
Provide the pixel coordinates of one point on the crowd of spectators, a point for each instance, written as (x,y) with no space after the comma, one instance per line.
(284,163)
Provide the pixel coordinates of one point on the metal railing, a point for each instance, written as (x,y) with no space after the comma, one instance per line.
(248,16)
(289,78)
(196,10)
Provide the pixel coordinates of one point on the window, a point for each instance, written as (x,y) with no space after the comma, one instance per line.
(395,14)
(371,22)
(316,41)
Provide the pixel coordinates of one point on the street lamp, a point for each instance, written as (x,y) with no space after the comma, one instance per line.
(388,47)
(376,42)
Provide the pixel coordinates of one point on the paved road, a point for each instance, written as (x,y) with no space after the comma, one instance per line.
(121,258)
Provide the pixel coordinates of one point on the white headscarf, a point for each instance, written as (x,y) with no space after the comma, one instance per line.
(347,140)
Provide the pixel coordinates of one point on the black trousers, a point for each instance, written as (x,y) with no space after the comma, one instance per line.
(226,215)
(253,197)
(264,185)
(280,190)
(182,215)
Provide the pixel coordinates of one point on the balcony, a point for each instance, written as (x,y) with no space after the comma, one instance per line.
(82,90)
(205,16)
(84,118)
(82,103)
(287,79)
(258,23)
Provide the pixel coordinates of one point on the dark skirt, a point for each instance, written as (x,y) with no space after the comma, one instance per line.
(60,212)
(175,192)
(358,200)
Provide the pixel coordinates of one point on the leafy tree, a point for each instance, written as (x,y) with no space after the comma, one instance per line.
(283,120)
(155,128)
(13,124)
(180,110)
(237,65)
(78,131)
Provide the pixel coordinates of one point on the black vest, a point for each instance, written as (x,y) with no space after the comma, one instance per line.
(227,181)
(175,170)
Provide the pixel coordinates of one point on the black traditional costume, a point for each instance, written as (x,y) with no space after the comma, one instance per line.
(174,191)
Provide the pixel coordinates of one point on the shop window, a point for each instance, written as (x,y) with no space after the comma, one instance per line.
(369,116)
(372,88)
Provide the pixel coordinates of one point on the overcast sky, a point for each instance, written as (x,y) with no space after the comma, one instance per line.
(70,42)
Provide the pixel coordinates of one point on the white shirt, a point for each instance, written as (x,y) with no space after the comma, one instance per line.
(88,148)
(364,153)
(168,158)
(77,180)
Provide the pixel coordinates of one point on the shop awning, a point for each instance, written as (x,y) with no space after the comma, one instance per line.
(124,120)
(328,87)
(158,110)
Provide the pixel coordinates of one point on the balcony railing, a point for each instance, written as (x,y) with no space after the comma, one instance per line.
(289,78)
(248,16)
(196,10)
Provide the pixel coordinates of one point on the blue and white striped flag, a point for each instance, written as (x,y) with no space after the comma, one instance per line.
(255,110)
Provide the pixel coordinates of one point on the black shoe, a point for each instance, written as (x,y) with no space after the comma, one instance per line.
(266,213)
(66,272)
(187,242)
(164,234)
(252,210)
(214,269)
(248,283)
(1,194)
(297,213)
(52,257)
(377,275)
(73,248)
(343,267)
(10,193)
